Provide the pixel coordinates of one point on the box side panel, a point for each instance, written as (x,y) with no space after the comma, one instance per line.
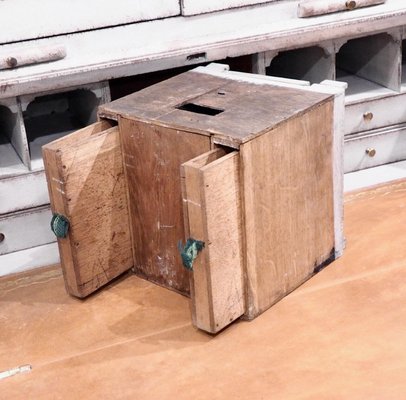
(152,158)
(288,206)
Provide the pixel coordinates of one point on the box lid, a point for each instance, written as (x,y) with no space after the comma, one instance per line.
(235,112)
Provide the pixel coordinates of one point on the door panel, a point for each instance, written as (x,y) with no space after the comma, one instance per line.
(211,194)
(86,184)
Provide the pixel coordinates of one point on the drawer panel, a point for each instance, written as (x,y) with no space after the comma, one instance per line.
(375,113)
(211,194)
(378,147)
(24,260)
(23,191)
(26,229)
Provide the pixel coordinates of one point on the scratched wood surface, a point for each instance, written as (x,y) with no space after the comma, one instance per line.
(86,184)
(152,159)
(243,108)
(288,206)
(212,195)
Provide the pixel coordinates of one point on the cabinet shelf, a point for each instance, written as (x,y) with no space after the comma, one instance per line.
(10,161)
(360,89)
(370,66)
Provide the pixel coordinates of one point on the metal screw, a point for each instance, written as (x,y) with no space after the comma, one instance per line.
(370,151)
(350,5)
(368,116)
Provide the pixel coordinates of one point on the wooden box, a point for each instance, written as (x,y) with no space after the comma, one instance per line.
(245,168)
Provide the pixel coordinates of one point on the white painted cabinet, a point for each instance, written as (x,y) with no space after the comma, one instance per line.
(26,123)
(55,71)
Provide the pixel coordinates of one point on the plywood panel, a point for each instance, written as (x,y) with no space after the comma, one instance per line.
(152,158)
(86,184)
(288,206)
(212,190)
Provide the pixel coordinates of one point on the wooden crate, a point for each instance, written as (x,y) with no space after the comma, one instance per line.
(245,168)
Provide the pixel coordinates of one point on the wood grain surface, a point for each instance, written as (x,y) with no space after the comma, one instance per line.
(288,206)
(152,158)
(246,110)
(86,184)
(212,194)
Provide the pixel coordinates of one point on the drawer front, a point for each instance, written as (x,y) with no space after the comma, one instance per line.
(378,147)
(26,229)
(22,192)
(374,114)
(24,260)
(212,212)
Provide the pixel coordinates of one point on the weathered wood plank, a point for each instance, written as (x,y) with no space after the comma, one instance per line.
(86,183)
(214,214)
(152,158)
(241,110)
(288,206)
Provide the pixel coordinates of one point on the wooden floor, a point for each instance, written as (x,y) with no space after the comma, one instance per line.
(342,335)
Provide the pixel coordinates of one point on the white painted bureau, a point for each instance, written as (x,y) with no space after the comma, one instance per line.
(43,98)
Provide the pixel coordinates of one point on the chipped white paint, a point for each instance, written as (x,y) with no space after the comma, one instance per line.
(193,7)
(375,113)
(122,51)
(389,145)
(374,176)
(23,191)
(310,8)
(31,19)
(18,58)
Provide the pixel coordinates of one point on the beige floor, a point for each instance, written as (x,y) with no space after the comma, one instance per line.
(342,335)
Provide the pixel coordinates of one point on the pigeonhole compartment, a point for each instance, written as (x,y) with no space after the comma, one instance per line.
(13,146)
(50,116)
(369,65)
(312,64)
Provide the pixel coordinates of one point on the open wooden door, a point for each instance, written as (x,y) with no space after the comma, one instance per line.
(212,212)
(87,189)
